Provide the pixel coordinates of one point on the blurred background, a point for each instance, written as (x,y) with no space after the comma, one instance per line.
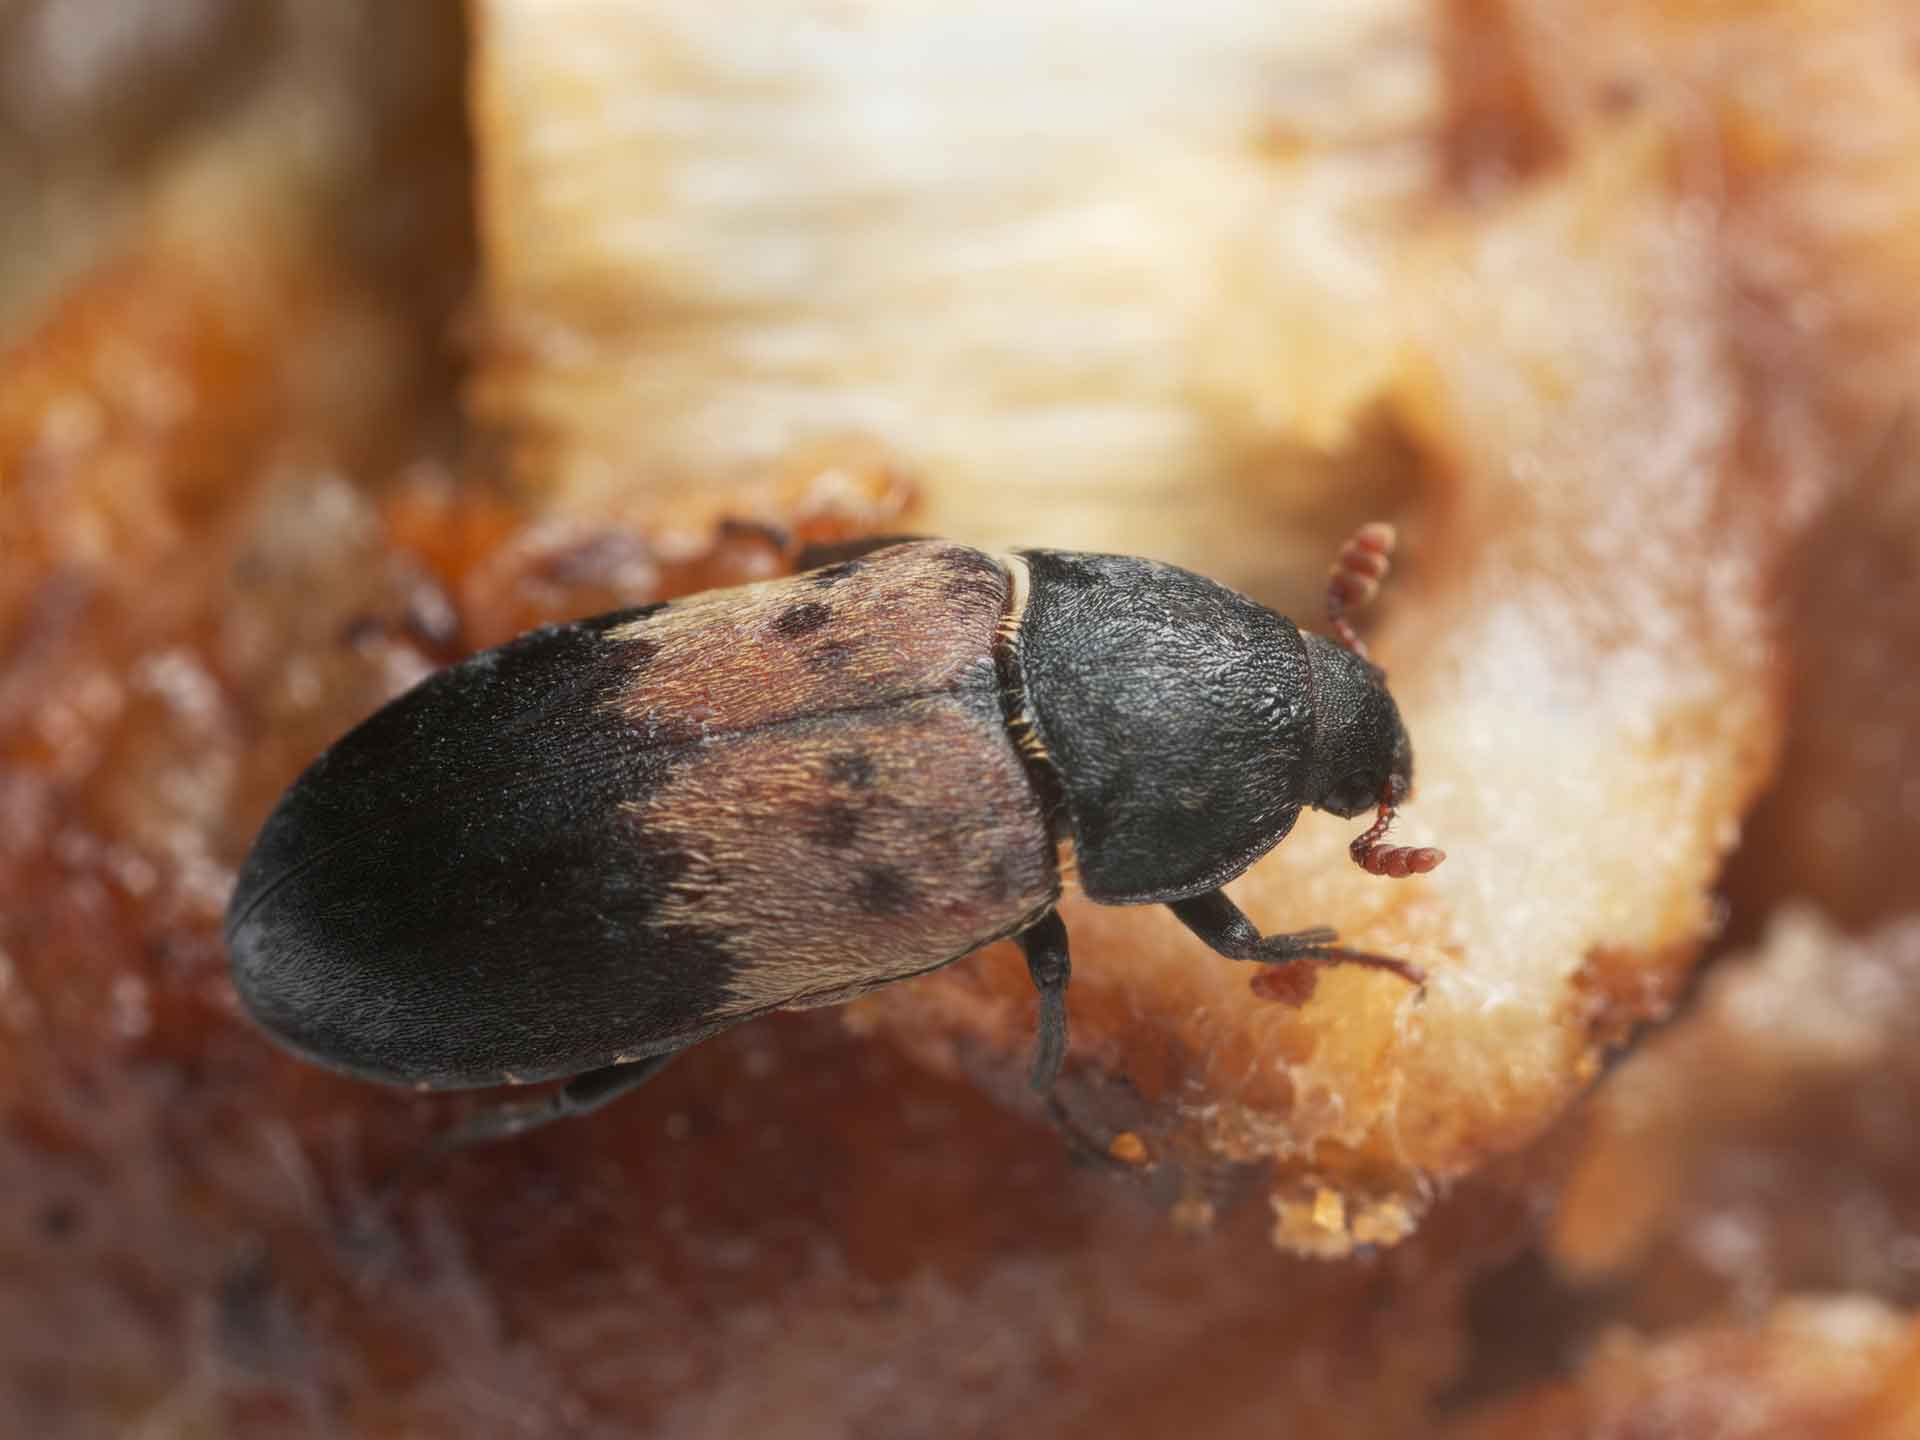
(339,341)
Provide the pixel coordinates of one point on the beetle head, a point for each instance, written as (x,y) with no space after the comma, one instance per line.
(1361,754)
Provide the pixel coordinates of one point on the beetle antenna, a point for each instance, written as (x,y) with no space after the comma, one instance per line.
(1355,579)
(1395,861)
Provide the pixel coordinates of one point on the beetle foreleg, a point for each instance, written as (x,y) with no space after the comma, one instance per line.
(581,1095)
(1045,944)
(1225,927)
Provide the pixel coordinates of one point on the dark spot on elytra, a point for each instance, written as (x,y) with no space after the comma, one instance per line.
(883,890)
(962,560)
(835,825)
(634,652)
(998,884)
(799,620)
(852,769)
(662,862)
(973,576)
(830,655)
(691,950)
(833,574)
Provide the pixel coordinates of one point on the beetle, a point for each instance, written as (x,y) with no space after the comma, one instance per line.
(577,854)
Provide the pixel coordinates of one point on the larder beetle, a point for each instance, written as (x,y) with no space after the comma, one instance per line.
(582,852)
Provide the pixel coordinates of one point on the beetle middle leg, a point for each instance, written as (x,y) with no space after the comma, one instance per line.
(1045,944)
(581,1095)
(1225,927)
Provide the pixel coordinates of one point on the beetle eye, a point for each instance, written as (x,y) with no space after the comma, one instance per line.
(1353,793)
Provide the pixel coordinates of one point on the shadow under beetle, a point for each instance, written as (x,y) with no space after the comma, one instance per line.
(582,852)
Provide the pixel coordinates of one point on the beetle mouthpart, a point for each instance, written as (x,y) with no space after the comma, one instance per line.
(1355,579)
(1394,861)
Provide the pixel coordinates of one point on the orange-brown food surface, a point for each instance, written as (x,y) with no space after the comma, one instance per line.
(353,338)
(1826,1367)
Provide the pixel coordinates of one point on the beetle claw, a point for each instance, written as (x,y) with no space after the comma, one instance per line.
(1337,955)
(1294,983)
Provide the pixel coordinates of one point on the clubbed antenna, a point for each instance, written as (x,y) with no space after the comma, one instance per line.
(1355,579)
(1395,861)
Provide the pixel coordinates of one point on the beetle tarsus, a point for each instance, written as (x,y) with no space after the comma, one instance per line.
(581,1095)
(1327,955)
(1225,927)
(1045,944)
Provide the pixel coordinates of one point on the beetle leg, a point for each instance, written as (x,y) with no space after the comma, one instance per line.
(1225,927)
(581,1095)
(1045,943)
